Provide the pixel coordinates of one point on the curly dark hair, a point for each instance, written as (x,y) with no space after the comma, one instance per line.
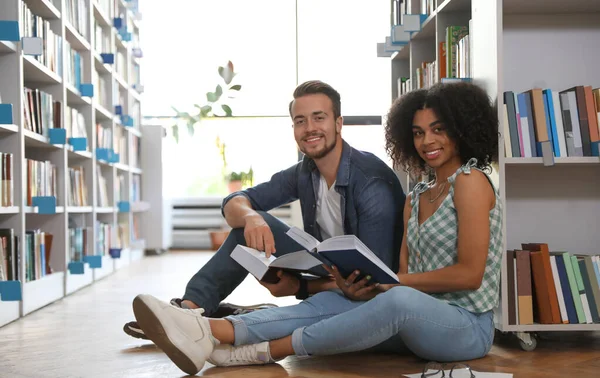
(466,110)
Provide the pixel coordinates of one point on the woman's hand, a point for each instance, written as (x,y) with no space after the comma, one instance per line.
(357,291)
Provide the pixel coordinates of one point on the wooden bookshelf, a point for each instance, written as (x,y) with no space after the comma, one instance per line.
(516,46)
(114,108)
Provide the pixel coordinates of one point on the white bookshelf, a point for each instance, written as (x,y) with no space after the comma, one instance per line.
(515,46)
(21,70)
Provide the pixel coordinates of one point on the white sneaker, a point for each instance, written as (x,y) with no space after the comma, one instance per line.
(229,355)
(183,334)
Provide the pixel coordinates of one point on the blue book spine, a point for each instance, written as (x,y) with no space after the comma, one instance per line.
(566,290)
(550,121)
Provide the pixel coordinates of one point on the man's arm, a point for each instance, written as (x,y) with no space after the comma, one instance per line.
(237,210)
(377,219)
(240,208)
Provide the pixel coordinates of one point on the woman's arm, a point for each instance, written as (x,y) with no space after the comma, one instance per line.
(473,200)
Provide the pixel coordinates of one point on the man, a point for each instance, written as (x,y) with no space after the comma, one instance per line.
(341,191)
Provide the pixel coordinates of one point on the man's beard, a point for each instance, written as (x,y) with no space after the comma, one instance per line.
(323,152)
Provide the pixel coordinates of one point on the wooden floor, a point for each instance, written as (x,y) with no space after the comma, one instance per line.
(81,336)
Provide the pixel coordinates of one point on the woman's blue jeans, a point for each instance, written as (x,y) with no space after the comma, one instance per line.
(399,320)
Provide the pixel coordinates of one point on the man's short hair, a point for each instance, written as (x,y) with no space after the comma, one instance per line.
(315,87)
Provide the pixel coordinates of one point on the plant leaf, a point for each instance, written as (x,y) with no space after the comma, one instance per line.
(222,72)
(227,110)
(236,87)
(205,110)
(190,127)
(219,91)
(175,129)
(211,97)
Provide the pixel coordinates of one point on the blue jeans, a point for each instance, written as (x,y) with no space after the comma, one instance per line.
(399,320)
(222,274)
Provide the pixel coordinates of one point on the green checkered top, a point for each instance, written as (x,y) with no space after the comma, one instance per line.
(434,245)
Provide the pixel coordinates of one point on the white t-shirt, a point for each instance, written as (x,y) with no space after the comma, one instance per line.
(329,212)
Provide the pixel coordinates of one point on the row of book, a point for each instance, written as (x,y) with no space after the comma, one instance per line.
(77,12)
(32,25)
(103,199)
(120,190)
(77,194)
(101,39)
(547,287)
(73,66)
(110,236)
(43,113)
(9,257)
(7,186)
(455,49)
(452,62)
(36,249)
(41,179)
(102,95)
(107,236)
(399,8)
(78,244)
(548,123)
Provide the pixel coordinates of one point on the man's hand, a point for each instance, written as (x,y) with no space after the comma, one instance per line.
(357,291)
(258,235)
(287,285)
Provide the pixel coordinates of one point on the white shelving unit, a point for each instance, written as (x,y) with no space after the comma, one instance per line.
(119,93)
(157,222)
(515,46)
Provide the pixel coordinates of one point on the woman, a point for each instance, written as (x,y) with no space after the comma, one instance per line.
(449,259)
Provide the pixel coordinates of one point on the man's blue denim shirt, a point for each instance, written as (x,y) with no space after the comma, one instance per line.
(372,199)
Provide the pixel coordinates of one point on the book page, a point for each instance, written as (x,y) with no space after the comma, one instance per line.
(301,260)
(255,262)
(304,239)
(258,255)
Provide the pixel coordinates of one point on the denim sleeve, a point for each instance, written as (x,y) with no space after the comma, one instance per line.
(281,189)
(377,216)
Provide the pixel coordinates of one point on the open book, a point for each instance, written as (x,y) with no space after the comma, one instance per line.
(348,254)
(265,269)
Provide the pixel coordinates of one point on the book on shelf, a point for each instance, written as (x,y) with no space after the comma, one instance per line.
(552,287)
(548,123)
(346,252)
(8,187)
(9,255)
(32,25)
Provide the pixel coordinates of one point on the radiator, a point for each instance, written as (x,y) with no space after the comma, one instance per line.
(194,218)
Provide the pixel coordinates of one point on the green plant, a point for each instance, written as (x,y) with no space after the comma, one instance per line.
(245,177)
(215,105)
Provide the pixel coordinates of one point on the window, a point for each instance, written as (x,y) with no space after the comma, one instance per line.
(184,41)
(337,44)
(194,166)
(283,43)
(369,138)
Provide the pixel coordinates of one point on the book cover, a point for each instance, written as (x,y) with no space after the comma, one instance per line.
(347,253)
